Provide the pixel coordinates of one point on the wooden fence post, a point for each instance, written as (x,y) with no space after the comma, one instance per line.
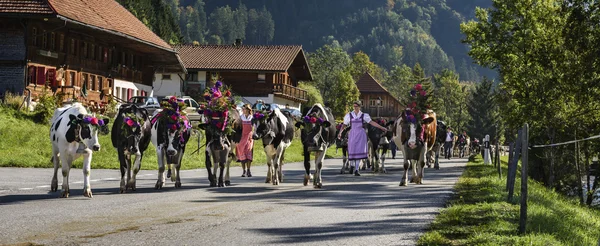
(512,175)
(525,156)
(511,150)
(497,160)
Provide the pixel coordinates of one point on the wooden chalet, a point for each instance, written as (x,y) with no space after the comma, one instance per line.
(376,100)
(268,73)
(70,45)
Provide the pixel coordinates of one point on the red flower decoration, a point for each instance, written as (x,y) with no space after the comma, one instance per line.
(413,104)
(423,93)
(173,99)
(418,87)
(217,94)
(228,93)
(174,117)
(219,125)
(130,122)
(173,127)
(94,121)
(313,120)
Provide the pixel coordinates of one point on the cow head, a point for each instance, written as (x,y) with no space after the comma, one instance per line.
(315,130)
(264,125)
(87,127)
(343,142)
(441,129)
(134,121)
(413,129)
(177,136)
(220,127)
(377,134)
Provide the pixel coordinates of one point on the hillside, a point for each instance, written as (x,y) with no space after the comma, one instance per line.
(391,32)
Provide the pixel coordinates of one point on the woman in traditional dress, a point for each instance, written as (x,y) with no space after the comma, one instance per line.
(244,148)
(357,137)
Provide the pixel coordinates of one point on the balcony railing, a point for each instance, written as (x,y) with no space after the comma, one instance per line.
(290,91)
(387,112)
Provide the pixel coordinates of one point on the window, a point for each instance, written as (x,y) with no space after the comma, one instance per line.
(93,51)
(132,60)
(93,83)
(34,34)
(191,76)
(44,40)
(84,81)
(194,104)
(261,77)
(52,41)
(100,83)
(61,43)
(72,49)
(84,50)
(166,77)
(71,78)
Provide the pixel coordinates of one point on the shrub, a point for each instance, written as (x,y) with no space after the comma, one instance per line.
(13,101)
(45,108)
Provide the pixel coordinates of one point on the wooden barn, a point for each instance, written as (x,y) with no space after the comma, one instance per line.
(83,48)
(377,101)
(268,73)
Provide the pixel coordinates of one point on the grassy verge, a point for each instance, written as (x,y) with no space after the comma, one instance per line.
(26,144)
(479,214)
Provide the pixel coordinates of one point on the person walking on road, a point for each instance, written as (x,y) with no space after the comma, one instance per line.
(244,148)
(448,143)
(357,137)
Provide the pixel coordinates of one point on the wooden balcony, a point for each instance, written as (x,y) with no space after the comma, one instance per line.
(290,92)
(386,112)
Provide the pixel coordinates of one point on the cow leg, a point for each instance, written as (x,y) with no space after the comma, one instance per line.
(344,160)
(383,153)
(270,153)
(208,162)
(413,165)
(436,164)
(66,167)
(216,166)
(123,165)
(87,160)
(281,166)
(319,156)
(404,181)
(136,168)
(129,162)
(160,156)
(277,163)
(306,165)
(222,171)
(56,161)
(230,158)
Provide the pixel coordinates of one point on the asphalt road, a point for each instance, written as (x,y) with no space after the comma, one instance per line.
(367,210)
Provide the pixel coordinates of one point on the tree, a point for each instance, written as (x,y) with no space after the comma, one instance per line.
(361,64)
(313,93)
(483,111)
(329,65)
(399,83)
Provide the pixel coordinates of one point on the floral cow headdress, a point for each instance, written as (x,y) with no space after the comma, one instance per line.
(174,115)
(218,102)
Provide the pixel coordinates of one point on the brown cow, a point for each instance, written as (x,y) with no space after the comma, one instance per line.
(415,141)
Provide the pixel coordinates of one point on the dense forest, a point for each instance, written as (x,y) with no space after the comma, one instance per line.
(390,32)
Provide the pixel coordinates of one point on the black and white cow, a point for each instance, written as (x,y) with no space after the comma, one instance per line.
(130,135)
(73,134)
(170,145)
(317,135)
(342,143)
(277,132)
(378,141)
(220,146)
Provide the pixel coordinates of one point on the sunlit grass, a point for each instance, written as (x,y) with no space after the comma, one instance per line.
(27,144)
(479,214)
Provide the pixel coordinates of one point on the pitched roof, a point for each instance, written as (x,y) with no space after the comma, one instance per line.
(25,7)
(366,83)
(243,57)
(107,15)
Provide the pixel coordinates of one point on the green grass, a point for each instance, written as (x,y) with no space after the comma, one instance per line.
(479,214)
(26,144)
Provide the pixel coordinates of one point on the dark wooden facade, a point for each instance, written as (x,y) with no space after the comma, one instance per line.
(251,84)
(85,58)
(371,92)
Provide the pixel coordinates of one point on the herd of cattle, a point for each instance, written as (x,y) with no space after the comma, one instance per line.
(74,134)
